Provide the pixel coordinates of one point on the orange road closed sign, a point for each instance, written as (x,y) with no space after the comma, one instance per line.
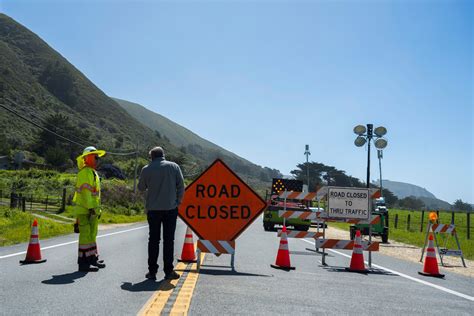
(218,205)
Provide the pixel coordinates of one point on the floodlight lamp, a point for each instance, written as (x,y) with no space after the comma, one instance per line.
(380,131)
(360,141)
(359,130)
(381,143)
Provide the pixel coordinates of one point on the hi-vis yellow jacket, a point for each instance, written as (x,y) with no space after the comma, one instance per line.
(87,193)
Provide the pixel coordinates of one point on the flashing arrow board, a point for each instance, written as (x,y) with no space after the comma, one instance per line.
(218,205)
(348,203)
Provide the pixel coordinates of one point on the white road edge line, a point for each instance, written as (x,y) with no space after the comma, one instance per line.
(74,242)
(441,288)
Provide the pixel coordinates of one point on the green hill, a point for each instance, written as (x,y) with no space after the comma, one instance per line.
(196,145)
(37,82)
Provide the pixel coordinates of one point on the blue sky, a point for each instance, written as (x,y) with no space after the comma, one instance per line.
(264,78)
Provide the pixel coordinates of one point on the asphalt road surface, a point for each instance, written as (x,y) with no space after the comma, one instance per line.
(56,288)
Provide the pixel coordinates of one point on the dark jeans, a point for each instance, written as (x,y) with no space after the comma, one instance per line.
(155,219)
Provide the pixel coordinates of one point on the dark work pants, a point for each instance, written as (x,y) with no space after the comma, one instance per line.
(155,220)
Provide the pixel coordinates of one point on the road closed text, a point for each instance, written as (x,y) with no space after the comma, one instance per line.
(348,203)
(219,194)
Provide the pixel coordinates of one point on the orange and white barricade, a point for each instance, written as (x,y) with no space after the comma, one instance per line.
(216,247)
(444,251)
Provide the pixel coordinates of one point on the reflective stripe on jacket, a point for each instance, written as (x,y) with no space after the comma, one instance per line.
(87,193)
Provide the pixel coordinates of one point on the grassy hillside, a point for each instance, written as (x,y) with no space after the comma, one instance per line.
(37,82)
(198,146)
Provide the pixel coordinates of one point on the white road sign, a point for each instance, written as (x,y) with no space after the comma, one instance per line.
(348,203)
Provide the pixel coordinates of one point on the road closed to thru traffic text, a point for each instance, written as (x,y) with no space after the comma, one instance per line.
(218,205)
(348,203)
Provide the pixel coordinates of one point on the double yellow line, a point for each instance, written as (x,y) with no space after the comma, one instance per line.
(174,297)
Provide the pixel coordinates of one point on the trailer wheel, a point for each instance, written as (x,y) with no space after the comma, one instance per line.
(302,228)
(352,232)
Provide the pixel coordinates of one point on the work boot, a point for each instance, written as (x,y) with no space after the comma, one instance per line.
(150,276)
(87,268)
(97,263)
(172,276)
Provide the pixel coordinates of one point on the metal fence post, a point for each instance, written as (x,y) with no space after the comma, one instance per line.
(63,202)
(468,214)
(396,220)
(31,202)
(408,222)
(23,204)
(422,218)
(46,209)
(452,217)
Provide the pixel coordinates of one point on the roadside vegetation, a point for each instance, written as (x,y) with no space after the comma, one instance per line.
(15,227)
(413,236)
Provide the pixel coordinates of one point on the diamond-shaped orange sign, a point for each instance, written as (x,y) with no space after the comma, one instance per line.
(218,205)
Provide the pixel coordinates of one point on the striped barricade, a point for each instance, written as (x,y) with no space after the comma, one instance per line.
(443,228)
(216,246)
(299,214)
(345,244)
(320,215)
(303,196)
(300,234)
(373,221)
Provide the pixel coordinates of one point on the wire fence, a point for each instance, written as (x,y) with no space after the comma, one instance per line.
(53,203)
(417,220)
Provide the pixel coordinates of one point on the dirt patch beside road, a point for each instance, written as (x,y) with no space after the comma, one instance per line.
(409,253)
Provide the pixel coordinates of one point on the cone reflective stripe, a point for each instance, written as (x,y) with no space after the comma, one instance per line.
(188,254)
(33,254)
(283,256)
(357,259)
(430,267)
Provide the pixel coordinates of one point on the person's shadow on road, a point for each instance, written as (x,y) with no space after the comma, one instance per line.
(147,286)
(67,278)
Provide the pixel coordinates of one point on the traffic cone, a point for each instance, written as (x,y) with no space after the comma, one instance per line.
(357,259)
(33,254)
(431,263)
(283,255)
(188,254)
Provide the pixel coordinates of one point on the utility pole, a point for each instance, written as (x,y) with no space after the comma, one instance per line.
(380,156)
(307,153)
(135,173)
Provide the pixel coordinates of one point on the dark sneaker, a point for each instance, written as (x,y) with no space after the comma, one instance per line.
(99,264)
(150,276)
(172,276)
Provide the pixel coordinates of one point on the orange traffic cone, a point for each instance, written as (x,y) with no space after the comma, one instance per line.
(431,263)
(188,254)
(33,254)
(283,255)
(357,259)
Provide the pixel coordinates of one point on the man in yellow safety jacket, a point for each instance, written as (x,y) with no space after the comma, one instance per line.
(87,208)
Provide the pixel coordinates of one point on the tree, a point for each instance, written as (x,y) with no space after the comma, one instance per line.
(61,125)
(411,202)
(56,156)
(320,174)
(460,205)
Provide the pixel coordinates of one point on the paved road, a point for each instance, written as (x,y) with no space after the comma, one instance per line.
(56,288)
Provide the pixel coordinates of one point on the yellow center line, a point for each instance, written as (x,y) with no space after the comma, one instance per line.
(158,301)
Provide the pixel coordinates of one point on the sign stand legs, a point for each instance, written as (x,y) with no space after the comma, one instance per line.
(198,259)
(428,228)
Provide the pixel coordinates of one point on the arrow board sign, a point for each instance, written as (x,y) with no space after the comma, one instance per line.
(350,203)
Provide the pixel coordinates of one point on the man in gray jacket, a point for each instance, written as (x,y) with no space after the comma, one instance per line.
(163,182)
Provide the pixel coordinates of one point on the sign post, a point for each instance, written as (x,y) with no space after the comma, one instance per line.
(350,203)
(219,206)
